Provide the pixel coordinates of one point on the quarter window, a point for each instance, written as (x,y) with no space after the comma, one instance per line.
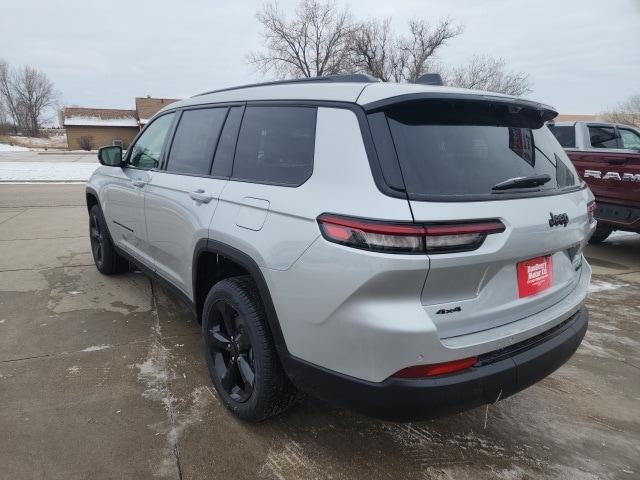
(630,139)
(276,145)
(566,135)
(603,137)
(145,154)
(195,141)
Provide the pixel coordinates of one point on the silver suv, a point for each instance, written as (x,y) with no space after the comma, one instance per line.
(404,250)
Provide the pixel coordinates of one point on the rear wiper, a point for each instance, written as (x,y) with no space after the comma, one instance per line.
(522,182)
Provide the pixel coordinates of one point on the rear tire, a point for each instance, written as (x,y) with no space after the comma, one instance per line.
(601,233)
(240,353)
(104,253)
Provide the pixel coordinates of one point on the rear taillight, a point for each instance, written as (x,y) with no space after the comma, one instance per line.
(394,237)
(591,210)
(421,371)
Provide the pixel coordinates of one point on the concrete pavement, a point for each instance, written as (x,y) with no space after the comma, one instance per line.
(103,377)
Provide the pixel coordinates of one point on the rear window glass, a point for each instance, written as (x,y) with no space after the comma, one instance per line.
(603,137)
(630,139)
(276,145)
(451,151)
(195,141)
(566,135)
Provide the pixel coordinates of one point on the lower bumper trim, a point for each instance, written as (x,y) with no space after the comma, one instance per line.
(495,377)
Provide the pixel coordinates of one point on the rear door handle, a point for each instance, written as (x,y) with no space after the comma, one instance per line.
(200,196)
(138,183)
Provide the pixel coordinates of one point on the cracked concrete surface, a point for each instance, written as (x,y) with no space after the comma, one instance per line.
(103,377)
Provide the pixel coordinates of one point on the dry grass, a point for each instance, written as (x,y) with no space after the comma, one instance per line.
(54,142)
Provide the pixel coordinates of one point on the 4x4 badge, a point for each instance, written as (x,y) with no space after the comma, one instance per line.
(560,219)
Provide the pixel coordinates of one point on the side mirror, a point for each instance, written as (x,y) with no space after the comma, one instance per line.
(110,156)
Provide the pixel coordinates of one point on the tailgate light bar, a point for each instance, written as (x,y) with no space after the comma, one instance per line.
(398,237)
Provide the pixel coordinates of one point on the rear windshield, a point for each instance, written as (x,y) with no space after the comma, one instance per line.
(462,151)
(566,135)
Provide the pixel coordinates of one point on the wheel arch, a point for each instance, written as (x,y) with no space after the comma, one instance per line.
(91,197)
(246,265)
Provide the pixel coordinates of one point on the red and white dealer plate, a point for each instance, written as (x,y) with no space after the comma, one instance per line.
(534,275)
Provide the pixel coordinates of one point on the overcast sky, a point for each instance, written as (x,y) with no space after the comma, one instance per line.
(583,55)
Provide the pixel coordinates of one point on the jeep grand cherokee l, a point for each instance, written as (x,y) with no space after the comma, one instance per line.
(407,251)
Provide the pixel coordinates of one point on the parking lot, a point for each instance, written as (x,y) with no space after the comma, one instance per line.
(103,377)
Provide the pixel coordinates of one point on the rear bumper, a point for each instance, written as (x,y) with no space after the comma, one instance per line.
(497,375)
(621,217)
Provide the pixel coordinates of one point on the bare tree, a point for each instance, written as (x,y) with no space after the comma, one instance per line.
(35,94)
(320,39)
(27,94)
(7,96)
(487,73)
(374,51)
(377,51)
(626,112)
(314,42)
(423,43)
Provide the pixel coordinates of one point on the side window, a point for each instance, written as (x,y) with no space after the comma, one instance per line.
(223,161)
(146,152)
(195,141)
(566,135)
(603,137)
(630,139)
(276,145)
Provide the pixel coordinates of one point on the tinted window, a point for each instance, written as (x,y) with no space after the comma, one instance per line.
(603,137)
(195,140)
(630,139)
(566,135)
(147,149)
(227,144)
(445,154)
(276,145)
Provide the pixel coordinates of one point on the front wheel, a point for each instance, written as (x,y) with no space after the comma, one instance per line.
(240,353)
(601,233)
(104,253)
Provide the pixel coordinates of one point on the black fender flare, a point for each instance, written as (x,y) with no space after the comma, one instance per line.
(92,192)
(246,262)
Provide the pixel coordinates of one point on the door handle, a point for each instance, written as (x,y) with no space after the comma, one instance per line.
(138,183)
(200,196)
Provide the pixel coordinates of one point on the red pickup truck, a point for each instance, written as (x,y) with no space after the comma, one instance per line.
(607,157)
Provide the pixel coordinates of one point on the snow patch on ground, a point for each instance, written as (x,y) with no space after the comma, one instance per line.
(96,348)
(289,461)
(45,172)
(619,234)
(54,141)
(156,374)
(128,121)
(12,148)
(603,286)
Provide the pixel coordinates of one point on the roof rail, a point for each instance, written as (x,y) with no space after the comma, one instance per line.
(354,77)
(430,79)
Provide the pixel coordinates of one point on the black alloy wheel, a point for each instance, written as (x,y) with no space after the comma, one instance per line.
(240,352)
(97,238)
(229,346)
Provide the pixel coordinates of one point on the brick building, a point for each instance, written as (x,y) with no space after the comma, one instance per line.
(91,128)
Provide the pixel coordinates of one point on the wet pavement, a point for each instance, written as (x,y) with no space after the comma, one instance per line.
(103,377)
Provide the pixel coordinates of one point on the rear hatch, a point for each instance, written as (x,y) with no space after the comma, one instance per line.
(470,161)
